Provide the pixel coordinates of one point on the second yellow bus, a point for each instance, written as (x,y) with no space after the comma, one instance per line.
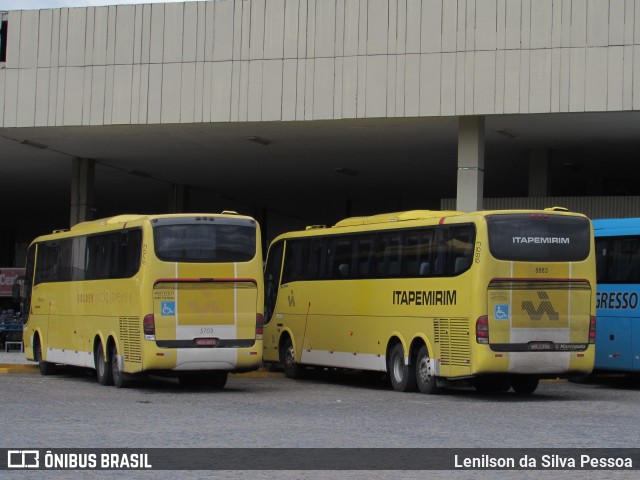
(498,298)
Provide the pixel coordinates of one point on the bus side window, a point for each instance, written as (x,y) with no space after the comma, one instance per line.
(416,261)
(440,252)
(363,256)
(295,260)
(315,260)
(389,255)
(601,260)
(462,241)
(53,262)
(340,259)
(625,261)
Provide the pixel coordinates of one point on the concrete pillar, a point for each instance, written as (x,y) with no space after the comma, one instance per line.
(470,164)
(539,173)
(82,187)
(179,198)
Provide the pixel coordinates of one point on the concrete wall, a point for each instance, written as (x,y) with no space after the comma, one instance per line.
(252,60)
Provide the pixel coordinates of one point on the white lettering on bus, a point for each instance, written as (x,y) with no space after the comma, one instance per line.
(421,297)
(557,240)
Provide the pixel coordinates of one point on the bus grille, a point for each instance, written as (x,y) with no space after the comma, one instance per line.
(130,337)
(452,334)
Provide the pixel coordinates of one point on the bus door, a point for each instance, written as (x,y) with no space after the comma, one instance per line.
(617,316)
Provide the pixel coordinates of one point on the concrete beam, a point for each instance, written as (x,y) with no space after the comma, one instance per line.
(82,190)
(470,163)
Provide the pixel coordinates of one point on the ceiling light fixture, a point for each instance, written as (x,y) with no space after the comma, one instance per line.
(140,173)
(506,133)
(259,140)
(31,143)
(346,171)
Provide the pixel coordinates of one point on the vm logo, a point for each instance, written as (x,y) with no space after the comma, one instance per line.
(545,308)
(292,299)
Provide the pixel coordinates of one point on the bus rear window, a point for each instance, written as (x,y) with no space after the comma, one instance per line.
(204,243)
(539,237)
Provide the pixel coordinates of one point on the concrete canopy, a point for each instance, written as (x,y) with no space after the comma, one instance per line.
(307,172)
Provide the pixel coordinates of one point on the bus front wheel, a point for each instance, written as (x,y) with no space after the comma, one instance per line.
(402,376)
(524,385)
(288,360)
(103,369)
(46,368)
(425,376)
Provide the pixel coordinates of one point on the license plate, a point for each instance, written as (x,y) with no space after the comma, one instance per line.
(541,346)
(206,342)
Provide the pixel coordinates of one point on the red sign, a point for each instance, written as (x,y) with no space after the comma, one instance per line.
(8,277)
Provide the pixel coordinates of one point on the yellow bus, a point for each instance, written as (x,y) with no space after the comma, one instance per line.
(499,299)
(178,295)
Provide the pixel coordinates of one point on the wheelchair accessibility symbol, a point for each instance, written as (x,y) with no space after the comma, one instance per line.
(501,311)
(168,308)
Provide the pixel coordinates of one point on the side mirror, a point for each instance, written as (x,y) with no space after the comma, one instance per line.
(16,289)
(16,293)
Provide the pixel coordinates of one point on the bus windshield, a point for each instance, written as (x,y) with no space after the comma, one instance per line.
(538,237)
(204,242)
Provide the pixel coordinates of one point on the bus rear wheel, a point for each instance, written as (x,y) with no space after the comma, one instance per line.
(46,368)
(425,376)
(403,378)
(118,377)
(524,385)
(217,380)
(288,360)
(103,368)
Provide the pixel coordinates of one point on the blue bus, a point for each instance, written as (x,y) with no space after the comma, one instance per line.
(617,244)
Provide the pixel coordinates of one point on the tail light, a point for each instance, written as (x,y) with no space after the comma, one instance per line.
(149,327)
(592,329)
(482,330)
(259,326)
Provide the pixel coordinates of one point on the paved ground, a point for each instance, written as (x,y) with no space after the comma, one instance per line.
(14,358)
(72,410)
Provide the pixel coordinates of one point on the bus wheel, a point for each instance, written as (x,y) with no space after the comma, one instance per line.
(103,369)
(524,385)
(118,377)
(402,376)
(217,380)
(288,360)
(493,385)
(46,368)
(425,376)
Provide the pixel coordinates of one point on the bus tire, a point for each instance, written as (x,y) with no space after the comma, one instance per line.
(524,385)
(103,368)
(118,377)
(492,385)
(425,376)
(217,380)
(46,368)
(288,360)
(403,378)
